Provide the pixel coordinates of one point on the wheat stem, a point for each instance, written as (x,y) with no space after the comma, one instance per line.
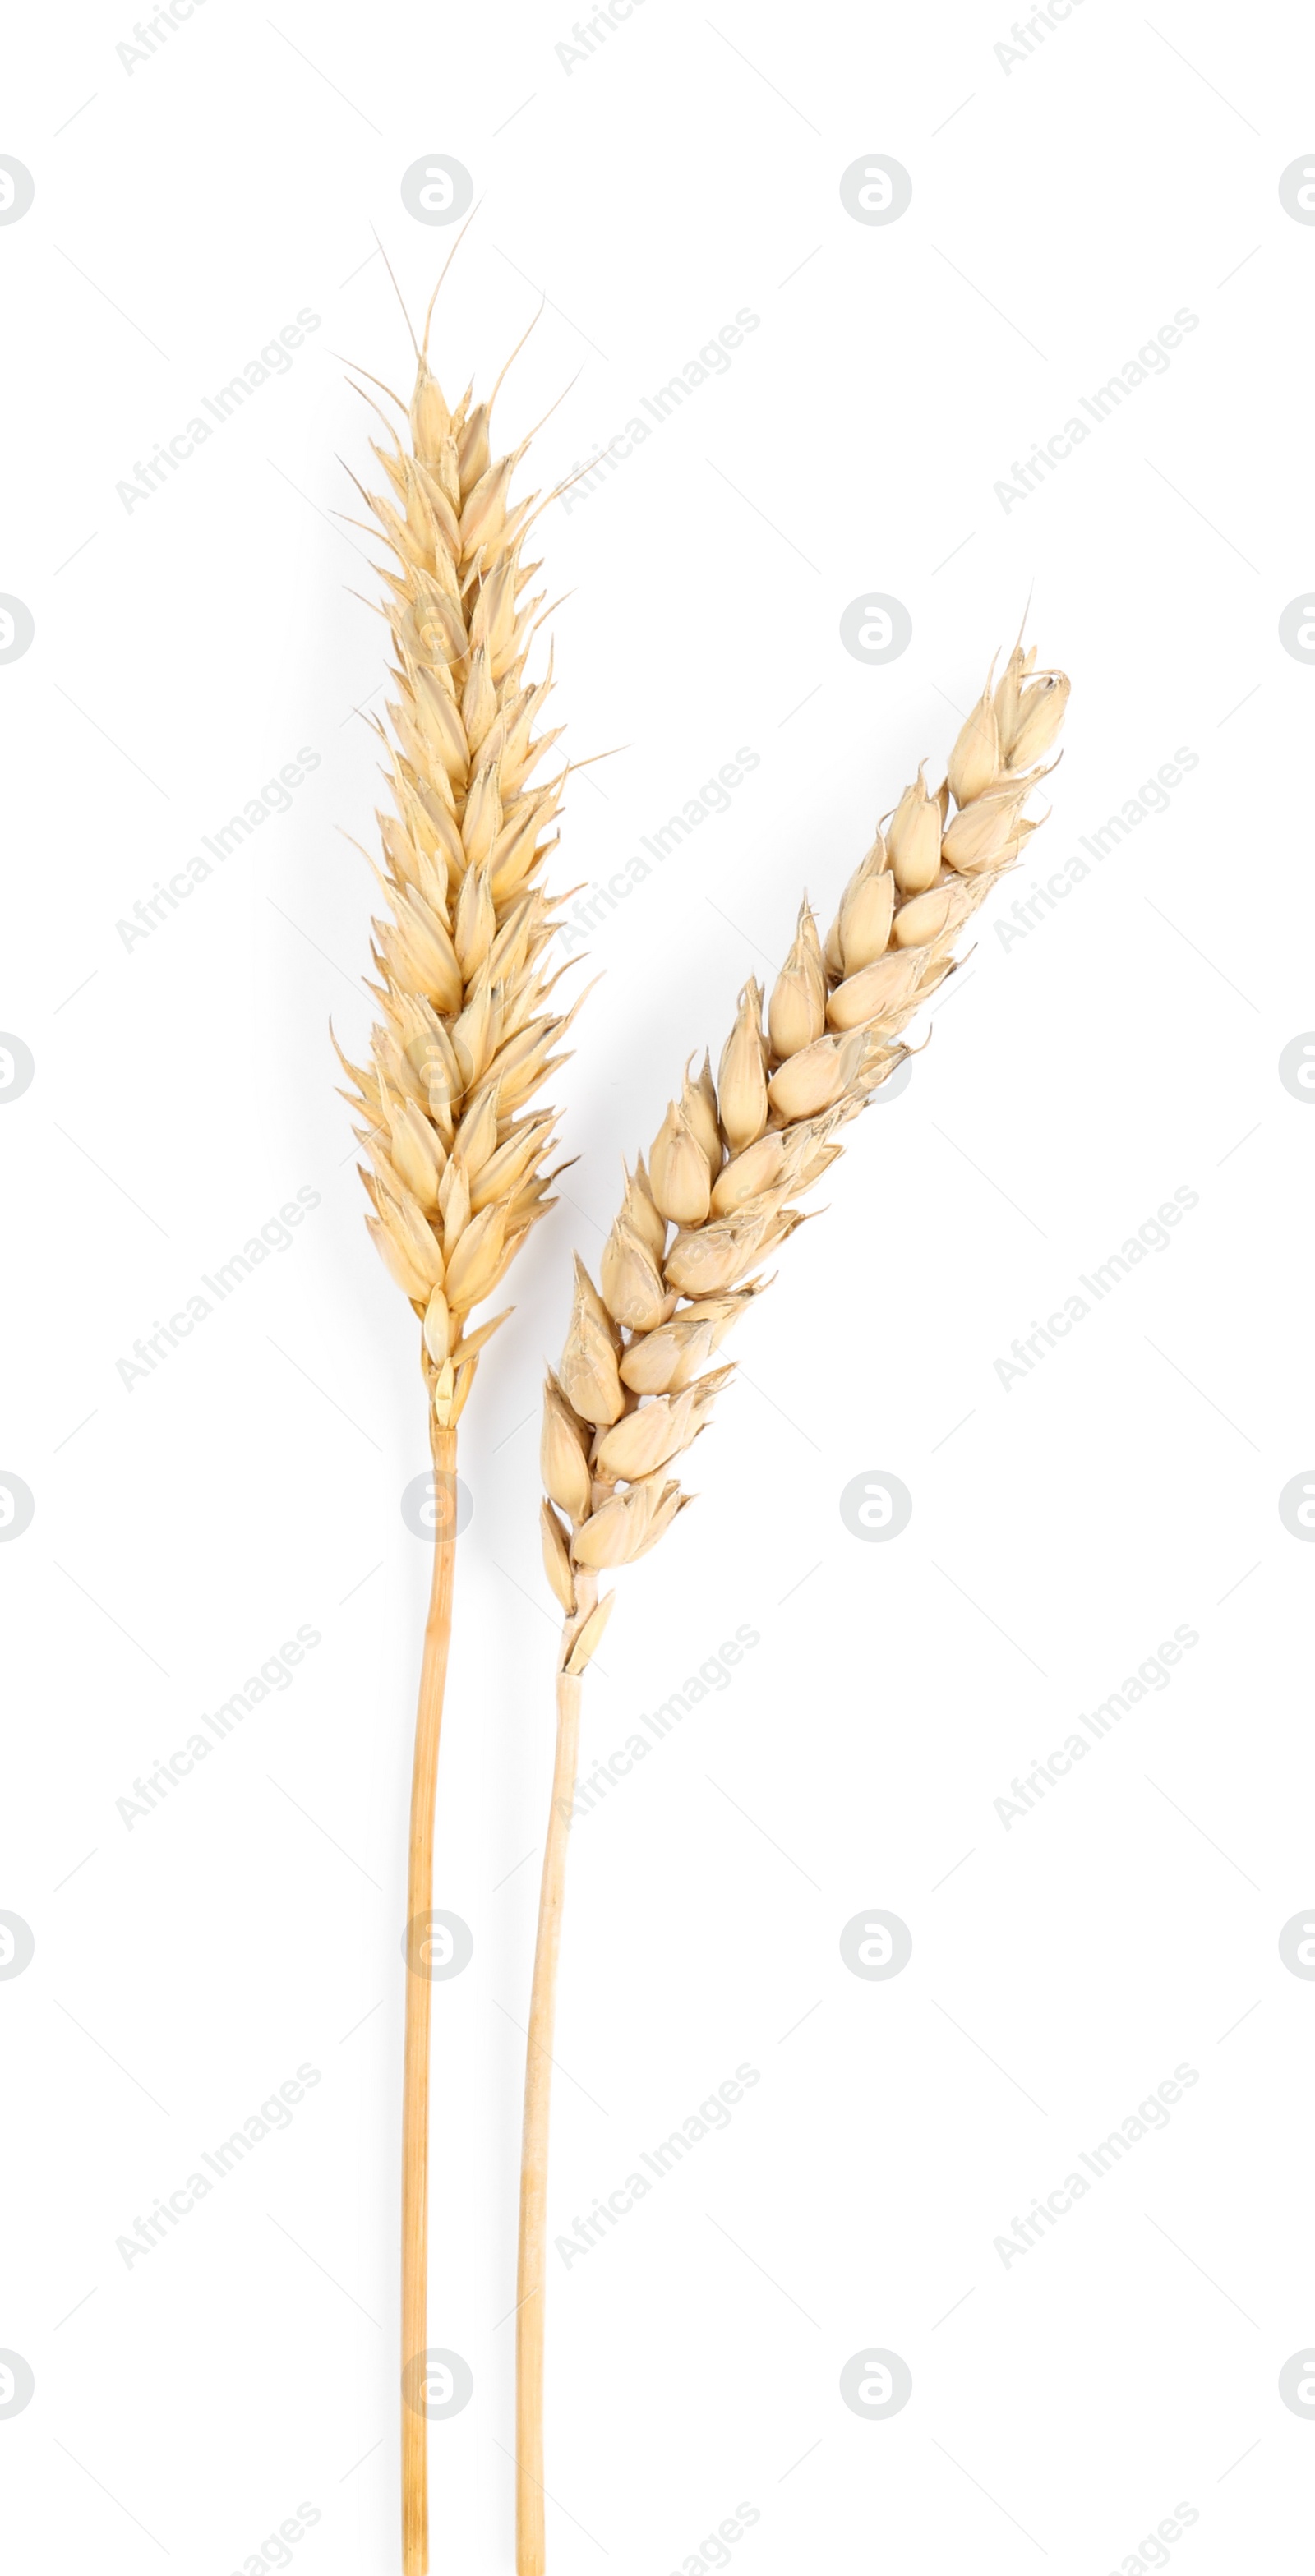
(530,2543)
(419,1992)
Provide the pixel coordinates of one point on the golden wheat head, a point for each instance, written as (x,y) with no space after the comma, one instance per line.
(466,1031)
(632,1389)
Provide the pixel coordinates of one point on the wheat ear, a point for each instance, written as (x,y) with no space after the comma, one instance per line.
(629,1395)
(465,1038)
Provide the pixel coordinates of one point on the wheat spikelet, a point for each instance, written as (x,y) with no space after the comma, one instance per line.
(633,1390)
(465,1039)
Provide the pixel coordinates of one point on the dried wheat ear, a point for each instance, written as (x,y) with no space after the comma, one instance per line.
(465,1038)
(467,1031)
(632,1390)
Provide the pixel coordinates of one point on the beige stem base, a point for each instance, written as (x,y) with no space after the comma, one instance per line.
(415,2094)
(530,2542)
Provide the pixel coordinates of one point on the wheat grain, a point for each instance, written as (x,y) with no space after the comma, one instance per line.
(465,1038)
(632,1390)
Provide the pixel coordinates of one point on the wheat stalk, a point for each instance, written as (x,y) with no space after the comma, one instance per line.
(465,1038)
(632,1391)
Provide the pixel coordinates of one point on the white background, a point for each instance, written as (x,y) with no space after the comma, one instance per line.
(1064,208)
